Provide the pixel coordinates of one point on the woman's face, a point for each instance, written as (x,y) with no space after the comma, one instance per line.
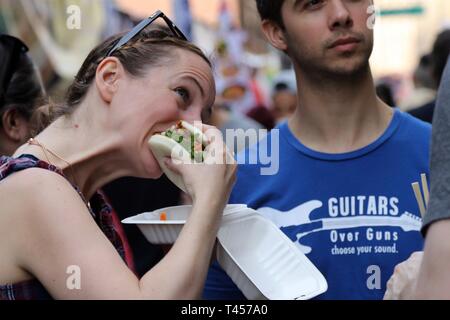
(182,89)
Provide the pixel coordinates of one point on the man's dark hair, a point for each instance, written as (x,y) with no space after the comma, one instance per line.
(270,10)
(440,54)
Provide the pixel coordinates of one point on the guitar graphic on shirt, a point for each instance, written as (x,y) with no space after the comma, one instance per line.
(300,216)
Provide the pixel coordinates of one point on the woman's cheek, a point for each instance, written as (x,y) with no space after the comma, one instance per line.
(169,115)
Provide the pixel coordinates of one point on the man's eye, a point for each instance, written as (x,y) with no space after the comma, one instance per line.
(183,93)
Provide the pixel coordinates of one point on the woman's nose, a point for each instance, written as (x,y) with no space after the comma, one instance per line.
(192,115)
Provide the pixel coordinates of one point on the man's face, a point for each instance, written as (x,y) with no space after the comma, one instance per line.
(328,36)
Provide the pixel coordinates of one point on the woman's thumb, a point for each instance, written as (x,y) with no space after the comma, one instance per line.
(172,164)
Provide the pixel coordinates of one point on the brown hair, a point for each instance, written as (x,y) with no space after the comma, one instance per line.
(24,91)
(150,48)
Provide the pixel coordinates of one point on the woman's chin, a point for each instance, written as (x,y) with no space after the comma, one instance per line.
(157,175)
(151,174)
(152,169)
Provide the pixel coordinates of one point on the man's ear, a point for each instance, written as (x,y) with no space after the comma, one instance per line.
(274,34)
(15,126)
(108,73)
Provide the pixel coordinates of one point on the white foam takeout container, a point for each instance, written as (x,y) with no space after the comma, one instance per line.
(166,232)
(260,259)
(263,262)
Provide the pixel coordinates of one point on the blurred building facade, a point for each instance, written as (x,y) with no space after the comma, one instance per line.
(404,31)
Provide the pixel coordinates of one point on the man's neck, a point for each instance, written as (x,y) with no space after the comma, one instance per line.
(338,115)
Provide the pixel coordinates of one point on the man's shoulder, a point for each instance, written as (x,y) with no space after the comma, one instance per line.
(412,120)
(414,127)
(425,112)
(412,136)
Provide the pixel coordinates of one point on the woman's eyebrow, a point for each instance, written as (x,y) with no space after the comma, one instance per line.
(197,83)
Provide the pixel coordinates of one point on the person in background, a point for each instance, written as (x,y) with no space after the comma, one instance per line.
(424,88)
(346,160)
(284,99)
(426,275)
(439,55)
(262,115)
(21,91)
(284,95)
(384,92)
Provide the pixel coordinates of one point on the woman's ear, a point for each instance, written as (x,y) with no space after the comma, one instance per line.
(274,34)
(109,71)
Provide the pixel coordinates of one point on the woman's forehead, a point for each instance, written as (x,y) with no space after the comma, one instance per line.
(191,61)
(193,65)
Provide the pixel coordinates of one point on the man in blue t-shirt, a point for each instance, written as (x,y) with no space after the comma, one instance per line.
(339,182)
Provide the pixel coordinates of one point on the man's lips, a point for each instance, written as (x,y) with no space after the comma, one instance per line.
(345,43)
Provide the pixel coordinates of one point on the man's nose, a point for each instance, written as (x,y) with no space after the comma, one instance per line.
(339,15)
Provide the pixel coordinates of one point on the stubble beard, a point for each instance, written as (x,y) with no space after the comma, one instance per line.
(347,67)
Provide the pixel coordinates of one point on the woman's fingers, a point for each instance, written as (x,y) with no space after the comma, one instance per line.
(217,151)
(172,165)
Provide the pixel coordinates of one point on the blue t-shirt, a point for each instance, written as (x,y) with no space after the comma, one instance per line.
(354,215)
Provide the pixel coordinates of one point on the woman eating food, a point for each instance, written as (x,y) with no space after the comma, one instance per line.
(54,224)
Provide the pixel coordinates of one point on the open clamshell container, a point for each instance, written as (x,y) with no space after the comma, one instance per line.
(254,252)
(263,262)
(158,231)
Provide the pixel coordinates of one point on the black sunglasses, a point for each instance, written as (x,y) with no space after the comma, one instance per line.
(144,24)
(14,50)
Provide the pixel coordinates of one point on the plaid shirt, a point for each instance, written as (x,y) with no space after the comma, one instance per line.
(100,210)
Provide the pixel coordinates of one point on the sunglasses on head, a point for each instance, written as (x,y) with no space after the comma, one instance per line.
(13,50)
(144,24)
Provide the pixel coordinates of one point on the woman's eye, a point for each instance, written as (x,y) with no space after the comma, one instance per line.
(183,93)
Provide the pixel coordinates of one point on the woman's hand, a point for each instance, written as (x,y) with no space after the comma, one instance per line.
(212,180)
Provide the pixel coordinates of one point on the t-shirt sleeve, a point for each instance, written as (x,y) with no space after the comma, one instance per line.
(439,204)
